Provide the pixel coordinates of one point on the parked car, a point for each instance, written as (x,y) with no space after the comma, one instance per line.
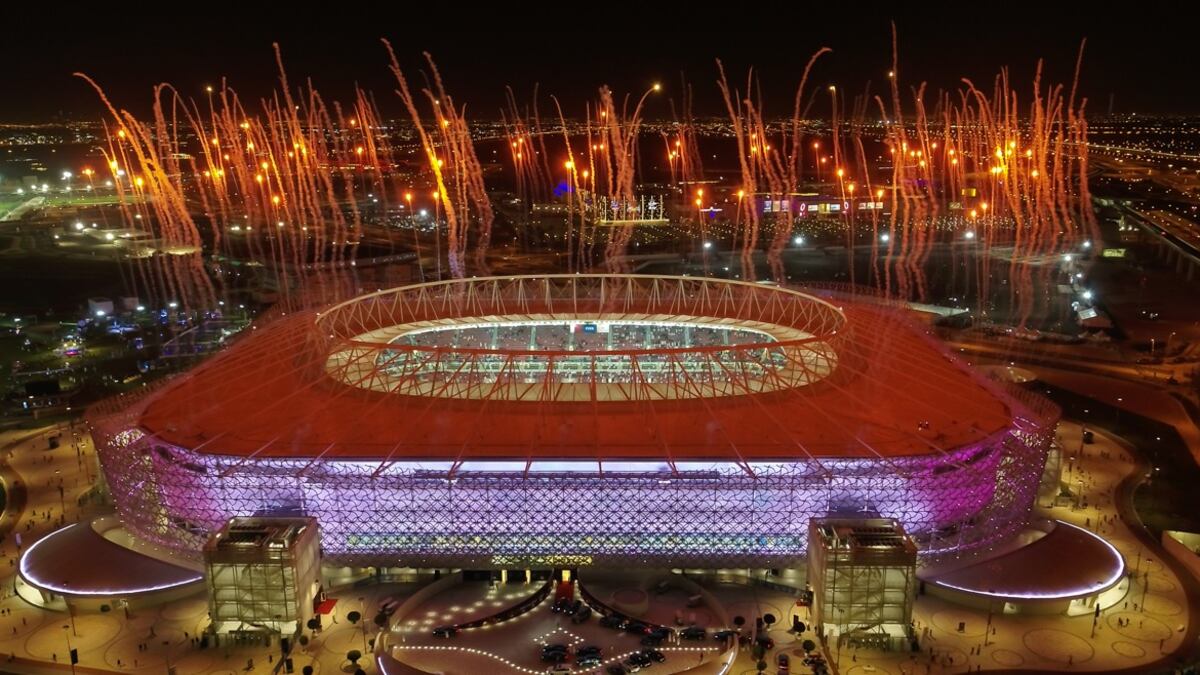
(612,621)
(724,635)
(445,631)
(654,655)
(582,614)
(693,633)
(616,669)
(554,653)
(640,659)
(636,627)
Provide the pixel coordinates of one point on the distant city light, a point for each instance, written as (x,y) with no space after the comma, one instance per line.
(885,237)
(798,240)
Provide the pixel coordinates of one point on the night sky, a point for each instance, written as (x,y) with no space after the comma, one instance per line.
(1145,60)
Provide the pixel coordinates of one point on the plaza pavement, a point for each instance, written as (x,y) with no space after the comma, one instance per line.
(32,639)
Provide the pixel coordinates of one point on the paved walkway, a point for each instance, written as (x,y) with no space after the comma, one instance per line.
(33,640)
(1134,629)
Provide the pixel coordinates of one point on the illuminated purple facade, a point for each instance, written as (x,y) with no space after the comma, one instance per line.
(549,511)
(637,513)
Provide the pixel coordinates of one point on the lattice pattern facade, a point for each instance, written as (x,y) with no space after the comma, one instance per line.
(654,501)
(716,516)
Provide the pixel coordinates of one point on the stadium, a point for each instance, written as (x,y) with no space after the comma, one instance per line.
(576,420)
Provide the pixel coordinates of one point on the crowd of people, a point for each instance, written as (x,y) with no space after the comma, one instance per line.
(580,348)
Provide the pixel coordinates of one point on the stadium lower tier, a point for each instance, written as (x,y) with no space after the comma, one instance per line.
(510,514)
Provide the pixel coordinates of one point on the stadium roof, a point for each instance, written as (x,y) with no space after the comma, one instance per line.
(889,390)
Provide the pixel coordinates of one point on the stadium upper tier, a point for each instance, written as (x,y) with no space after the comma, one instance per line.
(582,367)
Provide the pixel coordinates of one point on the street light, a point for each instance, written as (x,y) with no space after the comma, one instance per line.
(69,648)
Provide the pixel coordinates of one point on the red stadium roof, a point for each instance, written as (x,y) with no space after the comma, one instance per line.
(887,390)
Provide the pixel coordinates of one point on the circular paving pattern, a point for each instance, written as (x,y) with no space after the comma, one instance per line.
(1128,649)
(866,670)
(1140,626)
(948,620)
(196,661)
(1007,658)
(1058,646)
(93,631)
(342,641)
(1160,604)
(23,621)
(633,601)
(1160,583)
(954,655)
(126,648)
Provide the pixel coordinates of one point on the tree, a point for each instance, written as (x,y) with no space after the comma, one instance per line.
(761,665)
(353,617)
(359,671)
(303,640)
(768,619)
(313,623)
(381,620)
(739,621)
(306,670)
(353,656)
(808,646)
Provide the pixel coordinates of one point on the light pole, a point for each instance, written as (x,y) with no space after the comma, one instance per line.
(362,619)
(437,229)
(408,197)
(68,638)
(987,630)
(1145,587)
